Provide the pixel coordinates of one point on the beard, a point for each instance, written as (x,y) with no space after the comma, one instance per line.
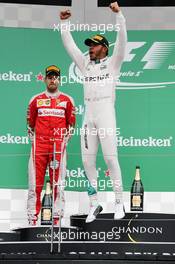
(52,88)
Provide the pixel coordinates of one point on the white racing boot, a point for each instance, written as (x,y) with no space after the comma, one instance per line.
(93,212)
(119,211)
(95,208)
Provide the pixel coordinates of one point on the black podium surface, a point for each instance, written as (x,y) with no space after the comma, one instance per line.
(134,227)
(9,236)
(137,237)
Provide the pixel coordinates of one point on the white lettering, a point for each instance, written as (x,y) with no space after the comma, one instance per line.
(145,142)
(12,76)
(11,139)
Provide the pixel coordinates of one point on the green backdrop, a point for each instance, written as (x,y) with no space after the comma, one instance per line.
(145,105)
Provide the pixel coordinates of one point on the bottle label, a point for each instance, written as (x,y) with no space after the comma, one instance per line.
(47,214)
(136,200)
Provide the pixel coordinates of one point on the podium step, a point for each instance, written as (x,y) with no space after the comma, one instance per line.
(43,233)
(138,236)
(9,236)
(133,228)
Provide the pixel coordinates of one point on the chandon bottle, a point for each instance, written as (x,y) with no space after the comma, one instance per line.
(137,192)
(46,210)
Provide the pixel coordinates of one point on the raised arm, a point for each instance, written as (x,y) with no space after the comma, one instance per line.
(121,40)
(74,52)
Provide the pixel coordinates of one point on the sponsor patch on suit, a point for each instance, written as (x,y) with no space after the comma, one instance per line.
(43,102)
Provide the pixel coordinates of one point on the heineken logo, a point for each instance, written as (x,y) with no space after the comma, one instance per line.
(146,65)
(11,139)
(79,173)
(20,77)
(15,77)
(144,142)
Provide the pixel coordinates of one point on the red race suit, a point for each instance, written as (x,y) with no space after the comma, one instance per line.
(49,118)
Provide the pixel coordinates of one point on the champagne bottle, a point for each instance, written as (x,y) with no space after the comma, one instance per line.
(46,210)
(137,192)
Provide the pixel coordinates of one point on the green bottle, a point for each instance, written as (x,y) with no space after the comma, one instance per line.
(137,192)
(46,210)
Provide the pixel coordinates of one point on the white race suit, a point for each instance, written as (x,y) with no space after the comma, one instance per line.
(99,95)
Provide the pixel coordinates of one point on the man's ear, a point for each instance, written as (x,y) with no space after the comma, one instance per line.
(44,79)
(105,49)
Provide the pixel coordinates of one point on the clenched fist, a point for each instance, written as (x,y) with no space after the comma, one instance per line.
(65,14)
(115,7)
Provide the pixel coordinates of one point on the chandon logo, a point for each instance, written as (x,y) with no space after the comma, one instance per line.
(133,229)
(116,233)
(137,230)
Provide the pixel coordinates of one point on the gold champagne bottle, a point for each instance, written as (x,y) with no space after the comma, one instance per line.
(46,210)
(137,192)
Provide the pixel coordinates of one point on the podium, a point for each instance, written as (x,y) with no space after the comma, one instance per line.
(133,228)
(138,236)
